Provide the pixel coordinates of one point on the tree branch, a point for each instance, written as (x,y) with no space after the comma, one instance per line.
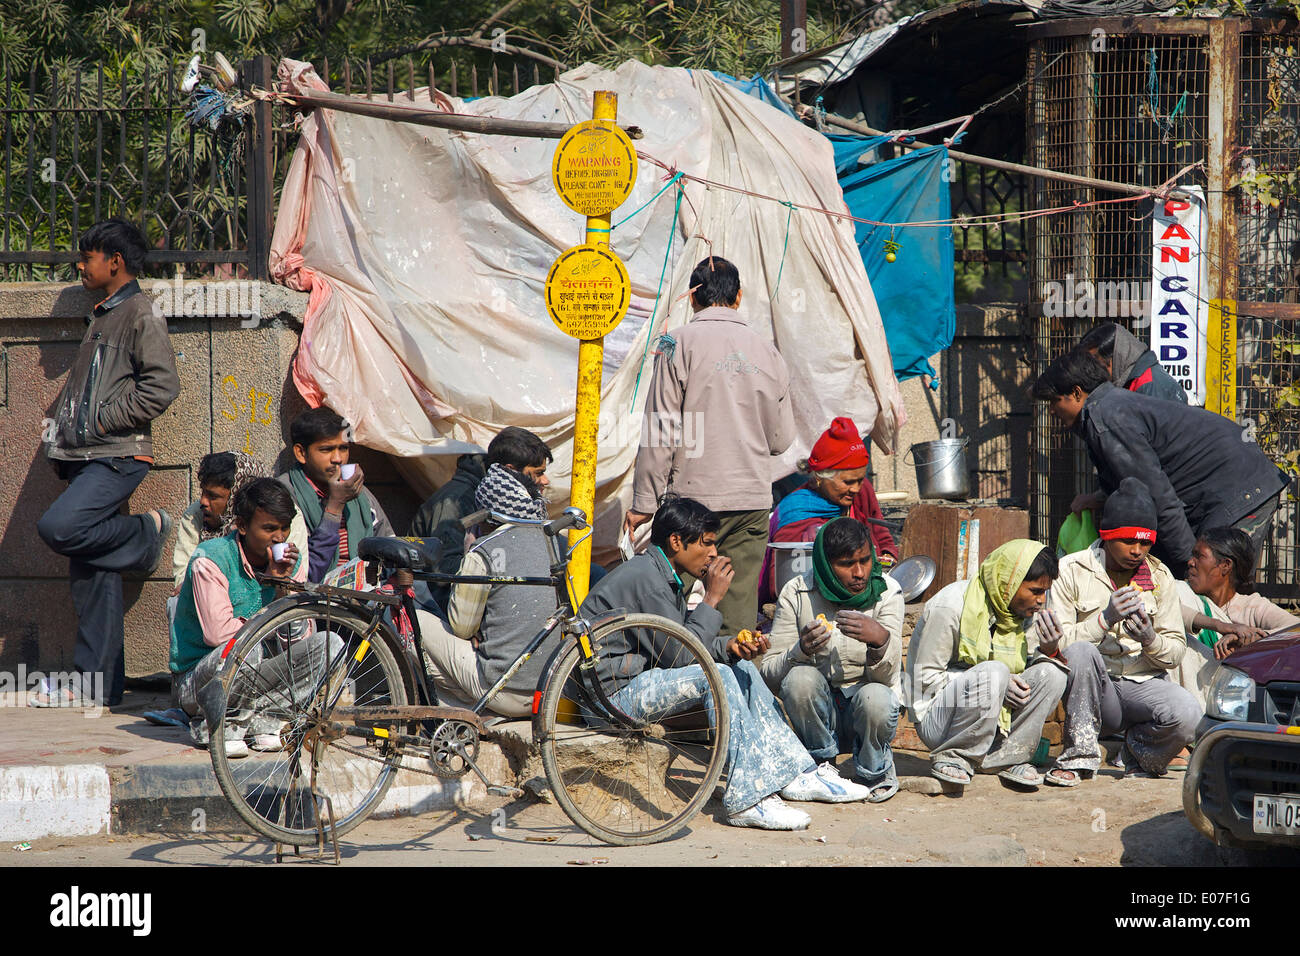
(478,33)
(478,43)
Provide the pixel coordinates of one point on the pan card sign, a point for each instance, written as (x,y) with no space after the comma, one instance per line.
(1179,310)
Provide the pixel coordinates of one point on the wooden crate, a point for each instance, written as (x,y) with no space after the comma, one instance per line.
(945,531)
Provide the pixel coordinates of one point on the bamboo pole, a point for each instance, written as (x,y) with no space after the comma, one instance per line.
(421,116)
(1036,171)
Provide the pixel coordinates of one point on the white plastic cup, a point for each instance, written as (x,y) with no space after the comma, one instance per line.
(347,471)
(277,551)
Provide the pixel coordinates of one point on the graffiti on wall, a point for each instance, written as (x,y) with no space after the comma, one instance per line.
(251,407)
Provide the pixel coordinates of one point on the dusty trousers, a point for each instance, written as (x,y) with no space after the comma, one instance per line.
(1157,717)
(86,525)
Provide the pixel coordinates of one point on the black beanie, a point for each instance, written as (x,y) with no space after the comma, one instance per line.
(1129,513)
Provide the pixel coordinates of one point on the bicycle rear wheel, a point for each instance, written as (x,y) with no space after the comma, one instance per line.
(284,680)
(630,783)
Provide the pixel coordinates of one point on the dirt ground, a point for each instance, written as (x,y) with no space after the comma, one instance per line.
(1107,821)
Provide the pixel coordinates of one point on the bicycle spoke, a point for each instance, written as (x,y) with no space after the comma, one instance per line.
(273,791)
(637,782)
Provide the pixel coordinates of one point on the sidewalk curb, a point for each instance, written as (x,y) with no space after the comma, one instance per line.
(40,801)
(182,797)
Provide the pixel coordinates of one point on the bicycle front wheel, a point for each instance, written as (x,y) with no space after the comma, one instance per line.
(632,760)
(282,682)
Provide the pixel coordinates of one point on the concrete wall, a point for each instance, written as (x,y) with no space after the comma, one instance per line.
(983,380)
(235,395)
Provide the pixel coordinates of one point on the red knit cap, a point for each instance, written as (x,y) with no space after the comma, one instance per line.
(840,447)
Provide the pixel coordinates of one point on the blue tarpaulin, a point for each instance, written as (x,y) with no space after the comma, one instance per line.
(915,292)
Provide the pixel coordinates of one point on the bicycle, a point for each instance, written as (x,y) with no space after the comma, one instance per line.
(349,702)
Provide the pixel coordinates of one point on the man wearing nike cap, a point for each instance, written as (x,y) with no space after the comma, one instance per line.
(1120,634)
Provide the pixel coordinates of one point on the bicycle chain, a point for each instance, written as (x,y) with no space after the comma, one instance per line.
(362,752)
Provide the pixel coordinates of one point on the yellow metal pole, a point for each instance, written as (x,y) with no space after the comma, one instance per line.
(586,424)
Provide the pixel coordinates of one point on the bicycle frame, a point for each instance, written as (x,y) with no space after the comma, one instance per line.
(563,617)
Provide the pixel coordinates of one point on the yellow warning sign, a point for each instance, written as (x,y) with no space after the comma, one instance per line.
(587,292)
(594,168)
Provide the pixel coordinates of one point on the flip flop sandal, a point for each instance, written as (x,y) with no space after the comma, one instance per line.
(883,791)
(1022,775)
(174,717)
(1056,777)
(944,771)
(1181,761)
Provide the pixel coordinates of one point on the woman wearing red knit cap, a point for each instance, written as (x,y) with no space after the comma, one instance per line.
(837,486)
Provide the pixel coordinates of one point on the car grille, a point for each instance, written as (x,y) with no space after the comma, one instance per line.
(1253,767)
(1280,703)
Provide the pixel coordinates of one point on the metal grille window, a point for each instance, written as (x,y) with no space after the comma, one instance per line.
(1137,102)
(990,258)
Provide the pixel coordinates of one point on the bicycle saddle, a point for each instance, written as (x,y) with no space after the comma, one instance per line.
(410,554)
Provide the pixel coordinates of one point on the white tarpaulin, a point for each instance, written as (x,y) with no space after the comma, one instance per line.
(425,252)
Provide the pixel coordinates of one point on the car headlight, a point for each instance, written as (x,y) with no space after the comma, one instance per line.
(1229,695)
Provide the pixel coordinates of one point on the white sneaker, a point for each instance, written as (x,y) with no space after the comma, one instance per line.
(267,743)
(824,785)
(770,813)
(236,749)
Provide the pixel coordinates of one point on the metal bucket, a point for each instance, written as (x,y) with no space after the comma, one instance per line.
(941,468)
(790,559)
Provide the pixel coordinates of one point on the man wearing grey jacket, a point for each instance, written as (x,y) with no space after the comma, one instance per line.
(100,441)
(766,763)
(718,410)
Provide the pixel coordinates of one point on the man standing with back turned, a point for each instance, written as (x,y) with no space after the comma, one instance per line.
(726,387)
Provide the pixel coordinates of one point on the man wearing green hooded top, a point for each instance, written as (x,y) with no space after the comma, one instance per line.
(977,690)
(836,652)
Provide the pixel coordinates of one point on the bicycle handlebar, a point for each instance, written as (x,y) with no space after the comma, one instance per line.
(572,518)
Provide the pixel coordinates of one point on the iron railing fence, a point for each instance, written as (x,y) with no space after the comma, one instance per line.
(81,145)
(84,145)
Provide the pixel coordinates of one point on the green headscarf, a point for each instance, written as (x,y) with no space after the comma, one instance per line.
(989,631)
(835,592)
(1207,637)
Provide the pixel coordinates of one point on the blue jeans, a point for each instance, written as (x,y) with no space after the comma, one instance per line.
(763,754)
(829,722)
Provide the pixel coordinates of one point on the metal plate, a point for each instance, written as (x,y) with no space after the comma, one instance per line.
(1280,815)
(914,575)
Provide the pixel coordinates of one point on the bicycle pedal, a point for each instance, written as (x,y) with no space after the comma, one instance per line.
(514,793)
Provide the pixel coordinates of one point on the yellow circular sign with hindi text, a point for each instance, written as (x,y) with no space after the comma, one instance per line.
(587,292)
(594,168)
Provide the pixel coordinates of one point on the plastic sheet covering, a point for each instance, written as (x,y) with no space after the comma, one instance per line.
(425,252)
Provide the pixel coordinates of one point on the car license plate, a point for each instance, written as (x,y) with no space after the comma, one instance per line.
(1279,815)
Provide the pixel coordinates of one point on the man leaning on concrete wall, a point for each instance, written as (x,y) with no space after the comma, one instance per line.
(124,376)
